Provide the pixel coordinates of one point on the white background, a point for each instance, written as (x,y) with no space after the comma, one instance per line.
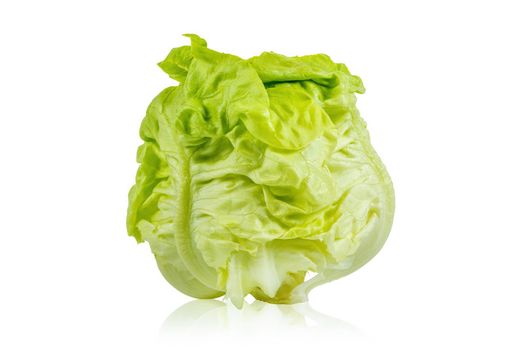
(444,106)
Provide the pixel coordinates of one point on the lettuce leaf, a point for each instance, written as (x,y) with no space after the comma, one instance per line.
(254,172)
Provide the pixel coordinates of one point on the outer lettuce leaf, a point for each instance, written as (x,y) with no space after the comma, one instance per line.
(254,172)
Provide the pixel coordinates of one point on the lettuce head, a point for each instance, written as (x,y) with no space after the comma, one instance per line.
(254,172)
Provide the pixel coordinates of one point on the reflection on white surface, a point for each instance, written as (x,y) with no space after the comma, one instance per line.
(207,321)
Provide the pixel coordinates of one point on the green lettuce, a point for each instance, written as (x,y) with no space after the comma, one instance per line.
(255,172)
